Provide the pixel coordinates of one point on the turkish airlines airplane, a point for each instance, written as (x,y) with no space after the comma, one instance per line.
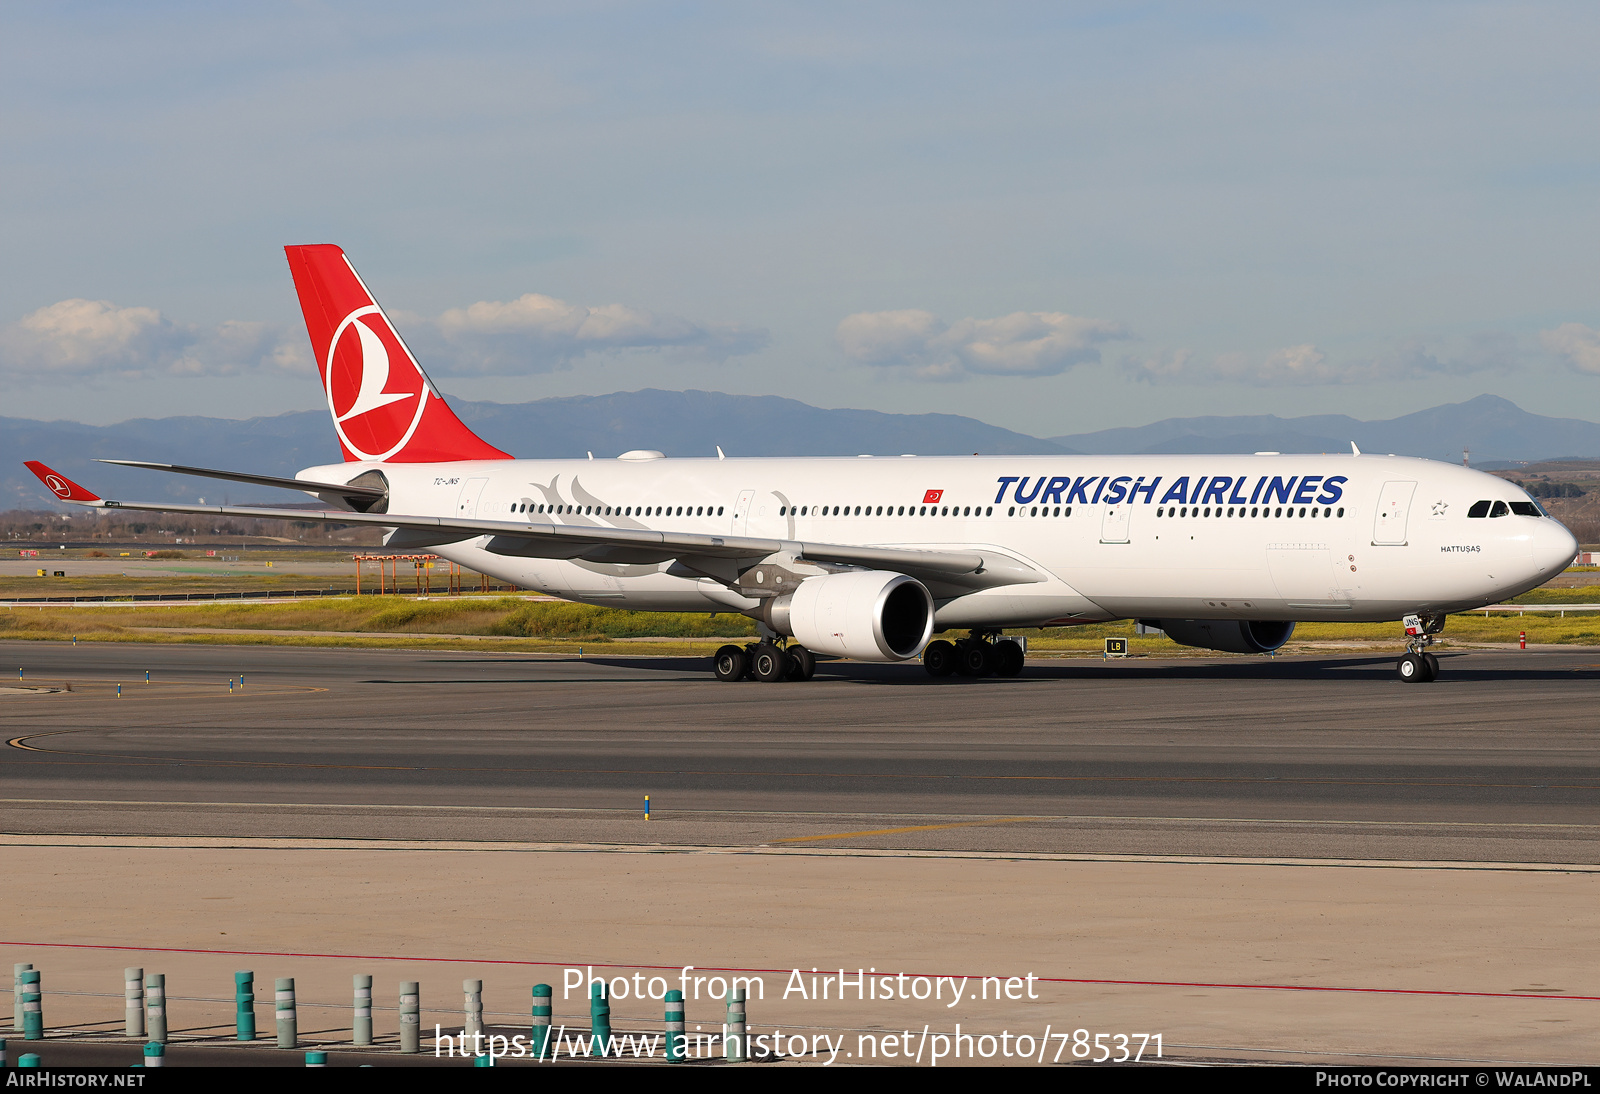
(867,557)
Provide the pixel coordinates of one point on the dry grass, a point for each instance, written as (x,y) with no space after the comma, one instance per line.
(511,623)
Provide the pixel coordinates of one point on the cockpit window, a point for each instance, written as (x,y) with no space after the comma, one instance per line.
(1501,509)
(1479,509)
(1525,509)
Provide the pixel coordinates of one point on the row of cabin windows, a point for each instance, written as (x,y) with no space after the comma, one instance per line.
(886,511)
(1265,511)
(618,510)
(1503,509)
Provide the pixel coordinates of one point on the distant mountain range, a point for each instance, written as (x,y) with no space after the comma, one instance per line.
(692,423)
(1498,432)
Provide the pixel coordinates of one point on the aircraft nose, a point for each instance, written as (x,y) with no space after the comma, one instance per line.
(1553,547)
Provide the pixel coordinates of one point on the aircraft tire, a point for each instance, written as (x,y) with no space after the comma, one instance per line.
(730,663)
(976,659)
(1412,669)
(1433,666)
(1008,658)
(939,658)
(802,663)
(768,663)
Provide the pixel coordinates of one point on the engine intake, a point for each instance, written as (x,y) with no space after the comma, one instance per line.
(1226,635)
(870,615)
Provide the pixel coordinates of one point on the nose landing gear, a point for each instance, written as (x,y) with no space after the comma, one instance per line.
(1417,665)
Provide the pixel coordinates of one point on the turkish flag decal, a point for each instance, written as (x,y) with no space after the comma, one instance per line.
(932,497)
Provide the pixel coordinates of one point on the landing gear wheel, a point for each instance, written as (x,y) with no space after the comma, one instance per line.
(976,658)
(768,663)
(1008,657)
(802,663)
(1414,669)
(730,663)
(1433,665)
(939,658)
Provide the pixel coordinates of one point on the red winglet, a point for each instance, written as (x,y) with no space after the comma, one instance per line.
(63,487)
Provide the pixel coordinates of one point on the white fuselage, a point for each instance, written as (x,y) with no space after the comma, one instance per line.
(1341,537)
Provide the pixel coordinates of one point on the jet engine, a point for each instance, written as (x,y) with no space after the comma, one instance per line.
(1227,635)
(870,615)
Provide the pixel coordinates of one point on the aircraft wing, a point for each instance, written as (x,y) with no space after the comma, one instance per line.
(720,557)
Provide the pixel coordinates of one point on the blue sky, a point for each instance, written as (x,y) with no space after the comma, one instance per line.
(1053,217)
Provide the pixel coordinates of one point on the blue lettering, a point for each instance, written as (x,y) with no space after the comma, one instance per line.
(1117,491)
(1078,488)
(1256,493)
(1199,484)
(1178,491)
(1097,490)
(1052,492)
(1332,490)
(1004,482)
(1277,487)
(1149,492)
(1234,498)
(1023,485)
(1308,485)
(1217,490)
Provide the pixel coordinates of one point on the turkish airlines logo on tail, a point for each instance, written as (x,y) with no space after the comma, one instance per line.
(932,497)
(55,483)
(376,392)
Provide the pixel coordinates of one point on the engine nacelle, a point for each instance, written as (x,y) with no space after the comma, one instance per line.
(870,615)
(1226,635)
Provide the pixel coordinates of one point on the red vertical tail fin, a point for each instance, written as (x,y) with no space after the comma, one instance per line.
(384,407)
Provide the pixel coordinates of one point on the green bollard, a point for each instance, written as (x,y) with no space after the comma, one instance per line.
(316,1059)
(28,1059)
(288,1020)
(541,1021)
(599,1018)
(155,1054)
(483,1061)
(244,998)
(410,1017)
(155,1006)
(361,1019)
(674,1026)
(32,1006)
(733,1039)
(133,999)
(16,994)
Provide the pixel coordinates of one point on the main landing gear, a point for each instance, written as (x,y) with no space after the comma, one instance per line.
(1417,665)
(764,661)
(976,656)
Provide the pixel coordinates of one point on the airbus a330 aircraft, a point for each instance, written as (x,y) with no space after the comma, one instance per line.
(867,557)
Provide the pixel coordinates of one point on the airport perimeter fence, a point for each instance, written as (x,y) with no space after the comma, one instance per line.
(540,1036)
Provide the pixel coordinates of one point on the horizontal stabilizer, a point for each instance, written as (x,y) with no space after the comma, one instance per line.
(258,480)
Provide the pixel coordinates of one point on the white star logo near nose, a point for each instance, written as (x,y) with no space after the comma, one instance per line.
(1439,507)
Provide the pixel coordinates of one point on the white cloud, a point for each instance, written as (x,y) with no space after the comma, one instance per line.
(1577,344)
(1019,344)
(96,338)
(537,333)
(1307,366)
